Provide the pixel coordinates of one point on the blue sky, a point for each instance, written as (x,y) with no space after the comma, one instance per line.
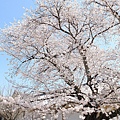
(9,11)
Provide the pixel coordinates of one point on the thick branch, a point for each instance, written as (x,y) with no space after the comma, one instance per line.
(101,116)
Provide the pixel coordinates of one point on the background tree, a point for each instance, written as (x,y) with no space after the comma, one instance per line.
(56,47)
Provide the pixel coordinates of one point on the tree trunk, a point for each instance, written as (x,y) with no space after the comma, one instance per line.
(101,116)
(96,116)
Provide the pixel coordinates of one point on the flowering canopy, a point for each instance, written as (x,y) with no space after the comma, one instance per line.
(56,47)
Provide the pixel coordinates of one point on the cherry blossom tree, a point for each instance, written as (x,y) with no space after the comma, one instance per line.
(56,47)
